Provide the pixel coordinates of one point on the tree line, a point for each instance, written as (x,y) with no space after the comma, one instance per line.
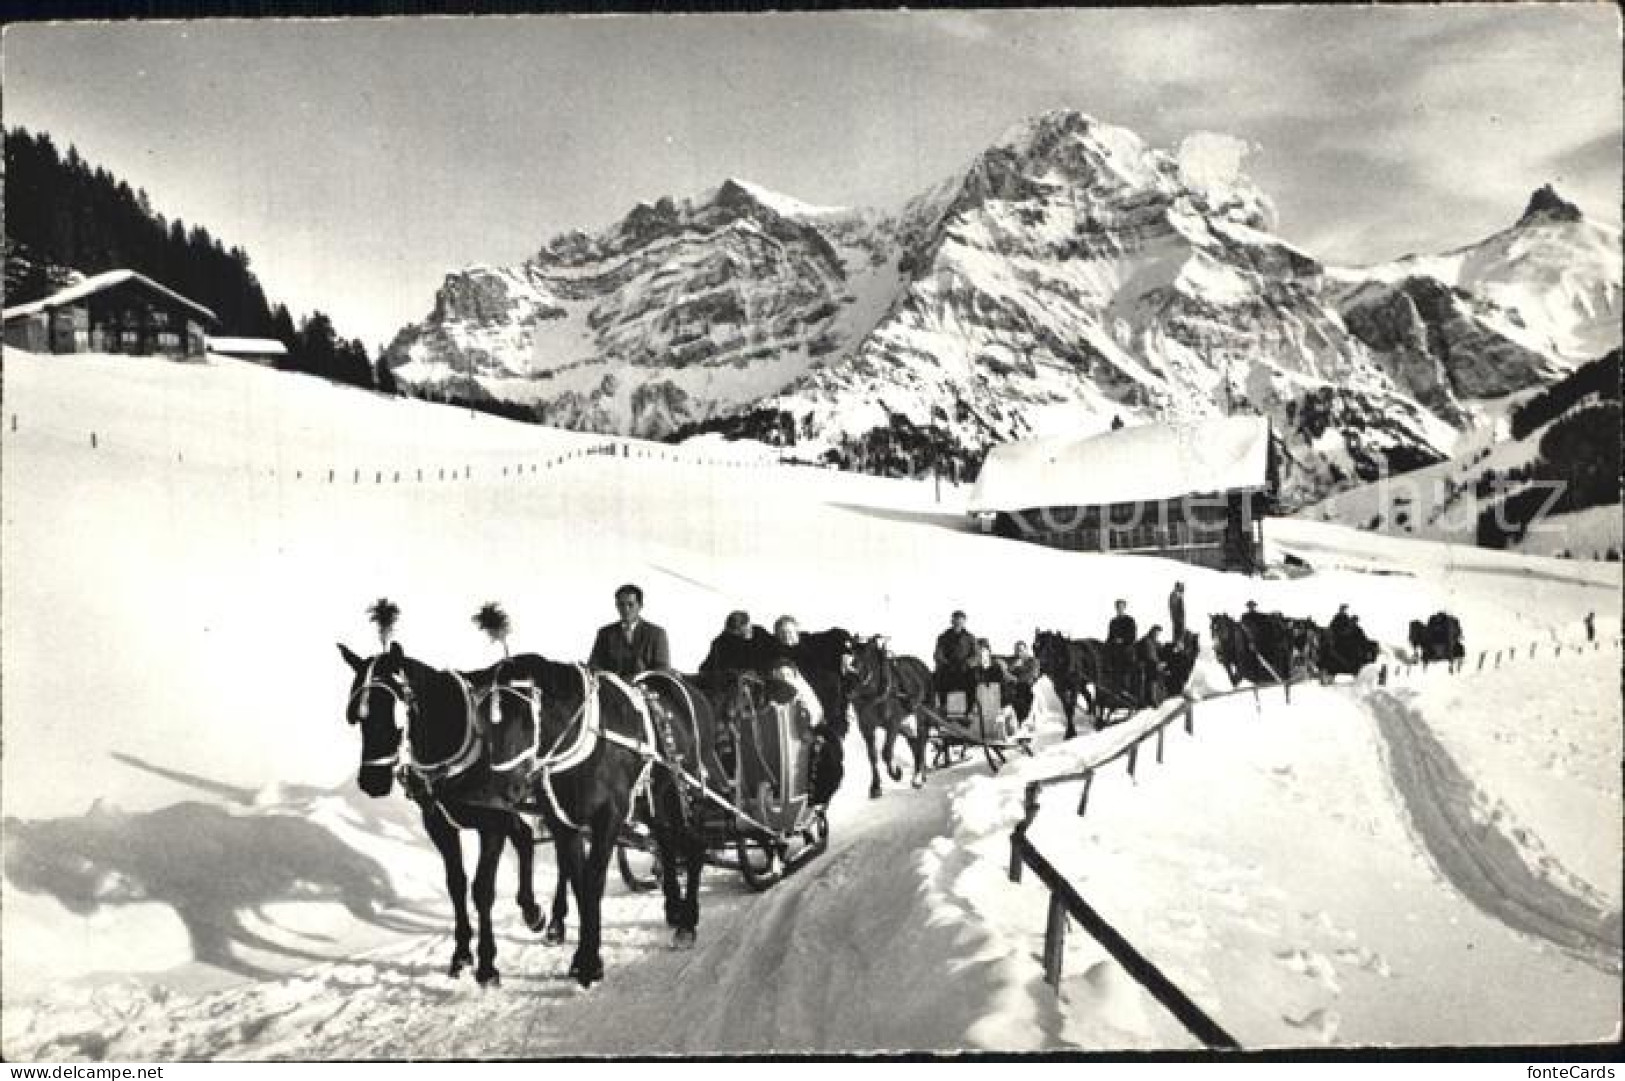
(64,215)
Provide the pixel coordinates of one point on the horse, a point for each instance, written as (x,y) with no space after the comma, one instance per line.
(1439,639)
(1344,652)
(582,747)
(1073,667)
(1304,636)
(1259,649)
(885,690)
(449,777)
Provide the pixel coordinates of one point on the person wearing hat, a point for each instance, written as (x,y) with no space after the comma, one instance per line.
(955,655)
(1176,610)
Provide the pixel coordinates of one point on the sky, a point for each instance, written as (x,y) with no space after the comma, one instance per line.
(358,161)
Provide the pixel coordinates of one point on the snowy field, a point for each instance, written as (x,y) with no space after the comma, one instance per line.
(190,871)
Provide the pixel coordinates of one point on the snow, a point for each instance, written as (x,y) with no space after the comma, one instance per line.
(190,871)
(1137,463)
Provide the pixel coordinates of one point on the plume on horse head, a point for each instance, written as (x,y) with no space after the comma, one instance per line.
(494,622)
(383,613)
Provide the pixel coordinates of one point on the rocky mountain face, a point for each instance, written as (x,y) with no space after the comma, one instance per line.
(1069,275)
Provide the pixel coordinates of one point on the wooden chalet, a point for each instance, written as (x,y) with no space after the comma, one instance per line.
(119,311)
(1194,492)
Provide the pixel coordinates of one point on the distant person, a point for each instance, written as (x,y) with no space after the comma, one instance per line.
(1023,669)
(1341,622)
(1121,631)
(954,656)
(1117,421)
(631,644)
(1176,610)
(739,648)
(1148,664)
(1591,626)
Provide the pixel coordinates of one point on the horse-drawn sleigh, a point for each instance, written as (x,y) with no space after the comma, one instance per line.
(667,765)
(1113,683)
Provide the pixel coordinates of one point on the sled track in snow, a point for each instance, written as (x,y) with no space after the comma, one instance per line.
(1474,855)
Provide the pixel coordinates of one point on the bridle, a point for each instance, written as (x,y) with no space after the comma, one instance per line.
(360,703)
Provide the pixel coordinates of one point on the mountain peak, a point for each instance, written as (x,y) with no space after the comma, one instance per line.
(734,191)
(1548,206)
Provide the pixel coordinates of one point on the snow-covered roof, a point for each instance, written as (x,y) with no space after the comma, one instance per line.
(95,284)
(1130,465)
(258,346)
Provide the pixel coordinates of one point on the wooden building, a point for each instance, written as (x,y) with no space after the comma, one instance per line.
(1194,492)
(119,311)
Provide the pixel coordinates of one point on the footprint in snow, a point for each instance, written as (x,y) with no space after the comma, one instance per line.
(1322,1023)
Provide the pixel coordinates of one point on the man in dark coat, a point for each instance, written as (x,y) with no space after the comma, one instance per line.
(1148,664)
(1121,634)
(1176,610)
(631,644)
(1121,631)
(955,654)
(1341,623)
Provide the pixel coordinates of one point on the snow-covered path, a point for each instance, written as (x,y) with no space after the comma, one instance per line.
(838,956)
(1467,844)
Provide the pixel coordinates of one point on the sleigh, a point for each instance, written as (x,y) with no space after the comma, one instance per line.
(748,787)
(968,722)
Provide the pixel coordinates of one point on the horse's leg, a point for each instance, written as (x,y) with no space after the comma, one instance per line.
(921,746)
(492,840)
(867,726)
(444,836)
(694,858)
(524,846)
(894,720)
(588,966)
(567,851)
(1069,706)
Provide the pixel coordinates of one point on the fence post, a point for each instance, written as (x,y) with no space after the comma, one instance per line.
(92,440)
(1133,757)
(1190,718)
(1015,854)
(1532,646)
(1382,676)
(1160,730)
(1481,660)
(1054,940)
(1083,799)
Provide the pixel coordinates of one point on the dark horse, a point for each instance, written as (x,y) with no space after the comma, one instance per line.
(1344,651)
(1439,639)
(583,747)
(886,689)
(451,782)
(1073,667)
(1259,649)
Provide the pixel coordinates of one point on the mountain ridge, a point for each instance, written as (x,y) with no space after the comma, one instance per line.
(1068,274)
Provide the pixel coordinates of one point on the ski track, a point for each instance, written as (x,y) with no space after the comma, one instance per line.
(1474,855)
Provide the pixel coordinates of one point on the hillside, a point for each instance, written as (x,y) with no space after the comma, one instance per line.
(191,873)
(1539,475)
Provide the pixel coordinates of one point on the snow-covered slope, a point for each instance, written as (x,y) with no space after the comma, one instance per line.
(190,871)
(1068,274)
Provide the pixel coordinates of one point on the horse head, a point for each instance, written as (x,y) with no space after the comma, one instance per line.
(380,703)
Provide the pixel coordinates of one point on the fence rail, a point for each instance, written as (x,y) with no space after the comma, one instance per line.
(1067,903)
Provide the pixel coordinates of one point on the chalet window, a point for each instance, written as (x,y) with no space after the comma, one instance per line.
(169,340)
(129,339)
(160,318)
